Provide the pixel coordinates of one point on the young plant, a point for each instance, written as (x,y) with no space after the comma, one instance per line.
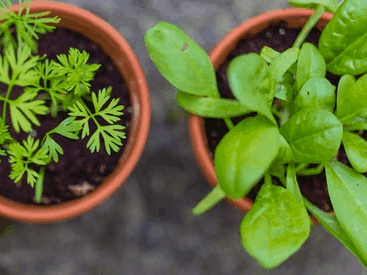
(315,118)
(49,87)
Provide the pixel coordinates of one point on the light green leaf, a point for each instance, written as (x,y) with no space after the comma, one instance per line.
(348,191)
(356,150)
(316,93)
(212,107)
(313,135)
(244,154)
(252,83)
(291,181)
(310,64)
(180,60)
(281,64)
(275,227)
(353,101)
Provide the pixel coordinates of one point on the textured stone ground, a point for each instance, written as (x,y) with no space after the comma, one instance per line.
(146,227)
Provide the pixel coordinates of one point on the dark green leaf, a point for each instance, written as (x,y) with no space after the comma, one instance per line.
(314,135)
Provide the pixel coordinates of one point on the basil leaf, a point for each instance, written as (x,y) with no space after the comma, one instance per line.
(330,5)
(348,191)
(353,60)
(180,60)
(244,154)
(280,65)
(212,107)
(343,29)
(252,83)
(310,64)
(275,227)
(352,102)
(356,150)
(316,93)
(332,225)
(313,135)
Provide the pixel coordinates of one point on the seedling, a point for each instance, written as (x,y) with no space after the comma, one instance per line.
(315,119)
(49,87)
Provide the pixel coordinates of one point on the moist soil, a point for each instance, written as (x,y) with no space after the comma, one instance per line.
(77,171)
(279,38)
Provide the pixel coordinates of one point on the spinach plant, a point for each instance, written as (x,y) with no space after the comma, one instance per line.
(302,137)
(48,88)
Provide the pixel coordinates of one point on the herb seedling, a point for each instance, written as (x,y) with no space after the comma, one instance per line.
(49,87)
(303,138)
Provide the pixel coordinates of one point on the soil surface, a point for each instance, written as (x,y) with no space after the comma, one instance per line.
(279,38)
(77,171)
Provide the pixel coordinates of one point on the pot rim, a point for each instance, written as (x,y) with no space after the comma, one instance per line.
(217,55)
(133,74)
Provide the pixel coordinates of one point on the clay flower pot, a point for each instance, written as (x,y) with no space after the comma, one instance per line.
(116,47)
(294,18)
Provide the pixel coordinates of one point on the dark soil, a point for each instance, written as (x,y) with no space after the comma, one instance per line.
(78,171)
(280,39)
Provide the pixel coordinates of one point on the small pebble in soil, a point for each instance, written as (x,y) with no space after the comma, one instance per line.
(81,190)
(282,31)
(268,34)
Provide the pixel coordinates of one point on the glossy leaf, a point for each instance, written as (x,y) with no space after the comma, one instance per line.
(212,107)
(252,83)
(356,150)
(244,154)
(353,101)
(353,60)
(285,153)
(269,54)
(346,26)
(332,225)
(330,5)
(348,191)
(180,60)
(313,135)
(310,64)
(275,227)
(316,93)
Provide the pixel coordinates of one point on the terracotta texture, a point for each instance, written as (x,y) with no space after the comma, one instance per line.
(295,18)
(112,42)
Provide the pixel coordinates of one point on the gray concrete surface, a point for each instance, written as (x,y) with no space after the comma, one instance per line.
(146,227)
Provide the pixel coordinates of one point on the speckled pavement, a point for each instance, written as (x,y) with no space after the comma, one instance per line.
(146,227)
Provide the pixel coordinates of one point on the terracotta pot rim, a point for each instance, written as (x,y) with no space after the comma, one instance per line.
(140,101)
(196,123)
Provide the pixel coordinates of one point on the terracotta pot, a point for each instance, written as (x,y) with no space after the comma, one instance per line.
(294,18)
(111,41)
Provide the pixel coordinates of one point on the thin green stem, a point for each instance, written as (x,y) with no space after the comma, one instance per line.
(209,201)
(39,185)
(311,171)
(6,100)
(229,123)
(311,22)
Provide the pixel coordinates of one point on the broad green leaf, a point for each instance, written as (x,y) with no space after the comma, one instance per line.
(212,107)
(310,64)
(285,153)
(332,225)
(344,28)
(180,60)
(275,227)
(291,181)
(269,54)
(353,101)
(313,135)
(353,60)
(330,5)
(356,150)
(281,64)
(244,154)
(252,83)
(348,192)
(316,93)
(284,92)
